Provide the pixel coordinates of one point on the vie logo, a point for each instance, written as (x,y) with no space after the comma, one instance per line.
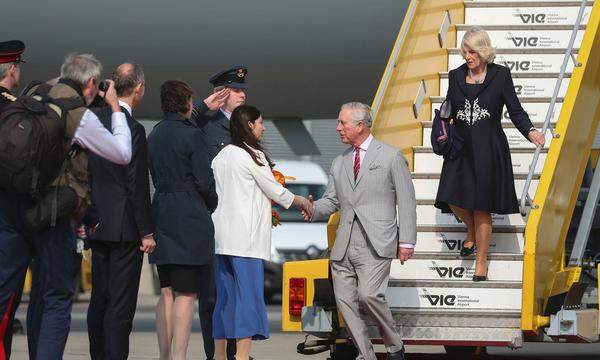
(440,300)
(450,272)
(533,18)
(517,65)
(524,41)
(519,89)
(452,244)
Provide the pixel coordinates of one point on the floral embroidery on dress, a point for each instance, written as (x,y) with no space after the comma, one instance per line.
(471,116)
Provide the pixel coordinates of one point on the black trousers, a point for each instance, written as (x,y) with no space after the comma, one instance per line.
(206,306)
(116,269)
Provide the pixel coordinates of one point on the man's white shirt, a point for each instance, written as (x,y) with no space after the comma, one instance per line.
(92,135)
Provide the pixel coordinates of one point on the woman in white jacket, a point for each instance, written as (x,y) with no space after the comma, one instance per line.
(246,186)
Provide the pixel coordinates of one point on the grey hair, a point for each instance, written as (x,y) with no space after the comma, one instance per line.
(360,112)
(80,68)
(126,80)
(4,70)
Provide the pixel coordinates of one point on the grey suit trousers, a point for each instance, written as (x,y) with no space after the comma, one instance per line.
(360,280)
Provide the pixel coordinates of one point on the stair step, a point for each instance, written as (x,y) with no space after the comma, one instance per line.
(535,28)
(535,110)
(511,13)
(430,215)
(516,141)
(434,255)
(429,150)
(452,242)
(518,75)
(529,87)
(537,60)
(437,175)
(461,228)
(457,269)
(456,295)
(432,163)
(427,188)
(523,99)
(524,3)
(527,37)
(473,336)
(434,317)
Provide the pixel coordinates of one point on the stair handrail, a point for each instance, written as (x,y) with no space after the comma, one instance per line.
(525,199)
(389,69)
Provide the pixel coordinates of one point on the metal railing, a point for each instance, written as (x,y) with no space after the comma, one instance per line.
(569,56)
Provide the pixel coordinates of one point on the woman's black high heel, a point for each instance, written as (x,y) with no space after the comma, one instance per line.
(477,278)
(467,251)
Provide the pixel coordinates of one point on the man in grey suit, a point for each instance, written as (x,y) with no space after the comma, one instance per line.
(370,185)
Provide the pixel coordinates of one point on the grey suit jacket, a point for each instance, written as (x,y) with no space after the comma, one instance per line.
(383,187)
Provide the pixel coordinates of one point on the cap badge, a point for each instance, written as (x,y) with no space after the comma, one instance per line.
(240,73)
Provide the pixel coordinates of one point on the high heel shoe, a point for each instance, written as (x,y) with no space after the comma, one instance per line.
(467,251)
(477,278)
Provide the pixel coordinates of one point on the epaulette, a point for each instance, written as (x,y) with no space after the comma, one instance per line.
(9,96)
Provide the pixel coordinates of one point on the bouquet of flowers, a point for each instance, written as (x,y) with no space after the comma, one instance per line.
(275,217)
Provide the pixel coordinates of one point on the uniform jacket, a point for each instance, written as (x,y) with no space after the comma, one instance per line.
(6,97)
(243,217)
(185,193)
(383,186)
(121,193)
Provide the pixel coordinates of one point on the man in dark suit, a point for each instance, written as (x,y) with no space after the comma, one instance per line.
(121,200)
(232,83)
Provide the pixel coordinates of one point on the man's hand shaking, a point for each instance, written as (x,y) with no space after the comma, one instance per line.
(308,210)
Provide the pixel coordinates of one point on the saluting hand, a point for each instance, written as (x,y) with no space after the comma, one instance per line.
(217,100)
(537,138)
(148,244)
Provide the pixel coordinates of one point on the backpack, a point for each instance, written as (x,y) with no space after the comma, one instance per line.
(445,140)
(33,141)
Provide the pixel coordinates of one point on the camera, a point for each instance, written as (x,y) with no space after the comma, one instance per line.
(103,86)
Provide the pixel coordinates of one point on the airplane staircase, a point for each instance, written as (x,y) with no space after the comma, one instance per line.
(432,296)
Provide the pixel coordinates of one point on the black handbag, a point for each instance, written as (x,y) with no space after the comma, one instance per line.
(445,140)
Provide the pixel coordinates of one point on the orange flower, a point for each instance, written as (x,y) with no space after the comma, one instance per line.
(279,177)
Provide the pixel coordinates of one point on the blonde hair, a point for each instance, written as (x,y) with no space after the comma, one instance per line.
(478,39)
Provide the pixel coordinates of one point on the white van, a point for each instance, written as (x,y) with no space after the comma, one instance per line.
(296,239)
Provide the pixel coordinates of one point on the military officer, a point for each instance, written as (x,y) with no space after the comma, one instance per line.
(10,76)
(10,71)
(216,136)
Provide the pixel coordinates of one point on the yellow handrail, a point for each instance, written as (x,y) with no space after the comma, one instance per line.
(544,270)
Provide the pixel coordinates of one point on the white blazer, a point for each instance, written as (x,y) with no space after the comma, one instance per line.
(243,216)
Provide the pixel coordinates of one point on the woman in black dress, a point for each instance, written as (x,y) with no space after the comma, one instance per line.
(480,181)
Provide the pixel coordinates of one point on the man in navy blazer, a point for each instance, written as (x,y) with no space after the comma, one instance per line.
(217,135)
(121,200)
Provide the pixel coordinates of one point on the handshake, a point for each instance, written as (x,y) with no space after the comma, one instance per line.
(305,205)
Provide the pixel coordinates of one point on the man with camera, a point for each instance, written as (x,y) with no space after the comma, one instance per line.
(121,198)
(40,228)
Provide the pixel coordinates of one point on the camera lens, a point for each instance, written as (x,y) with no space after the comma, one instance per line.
(103,86)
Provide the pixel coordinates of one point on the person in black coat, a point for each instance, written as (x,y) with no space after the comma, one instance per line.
(230,85)
(121,200)
(480,181)
(183,202)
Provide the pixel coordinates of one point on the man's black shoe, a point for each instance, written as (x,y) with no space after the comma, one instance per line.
(399,355)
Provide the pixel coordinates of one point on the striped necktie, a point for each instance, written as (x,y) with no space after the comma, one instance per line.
(356,161)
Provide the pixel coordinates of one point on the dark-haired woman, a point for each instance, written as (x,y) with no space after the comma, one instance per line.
(246,186)
(184,199)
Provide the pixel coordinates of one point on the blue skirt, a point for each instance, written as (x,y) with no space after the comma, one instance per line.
(240,310)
